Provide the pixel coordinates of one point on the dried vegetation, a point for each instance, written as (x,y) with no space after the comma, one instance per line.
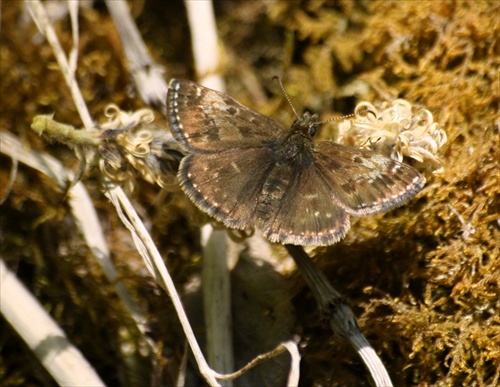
(424,279)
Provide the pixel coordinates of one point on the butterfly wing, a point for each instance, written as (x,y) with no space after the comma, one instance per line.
(239,173)
(302,213)
(312,202)
(226,185)
(363,182)
(206,121)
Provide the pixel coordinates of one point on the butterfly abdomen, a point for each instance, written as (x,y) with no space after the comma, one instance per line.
(273,190)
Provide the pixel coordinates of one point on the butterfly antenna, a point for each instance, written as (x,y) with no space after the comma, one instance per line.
(346,116)
(276,78)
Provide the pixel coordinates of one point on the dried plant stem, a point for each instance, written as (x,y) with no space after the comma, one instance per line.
(217,299)
(116,195)
(41,19)
(216,276)
(48,342)
(147,75)
(86,220)
(339,315)
(82,209)
(205,43)
(290,346)
(154,262)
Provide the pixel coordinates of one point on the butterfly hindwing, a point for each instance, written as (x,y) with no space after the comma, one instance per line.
(363,182)
(304,215)
(226,185)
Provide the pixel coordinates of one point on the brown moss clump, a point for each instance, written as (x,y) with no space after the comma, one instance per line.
(427,276)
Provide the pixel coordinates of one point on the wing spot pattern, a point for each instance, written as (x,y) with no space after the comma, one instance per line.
(236,168)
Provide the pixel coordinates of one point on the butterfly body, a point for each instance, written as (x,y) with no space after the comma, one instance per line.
(297,146)
(245,170)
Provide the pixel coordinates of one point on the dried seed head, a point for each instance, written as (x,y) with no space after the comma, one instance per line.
(131,140)
(397,129)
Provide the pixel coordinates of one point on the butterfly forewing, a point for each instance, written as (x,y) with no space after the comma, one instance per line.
(363,182)
(225,185)
(218,122)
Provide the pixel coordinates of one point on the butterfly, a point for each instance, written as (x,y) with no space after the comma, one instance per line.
(247,171)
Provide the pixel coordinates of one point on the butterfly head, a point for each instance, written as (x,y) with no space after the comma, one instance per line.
(306,125)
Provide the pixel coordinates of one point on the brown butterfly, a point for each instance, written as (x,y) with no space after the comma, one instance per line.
(245,170)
